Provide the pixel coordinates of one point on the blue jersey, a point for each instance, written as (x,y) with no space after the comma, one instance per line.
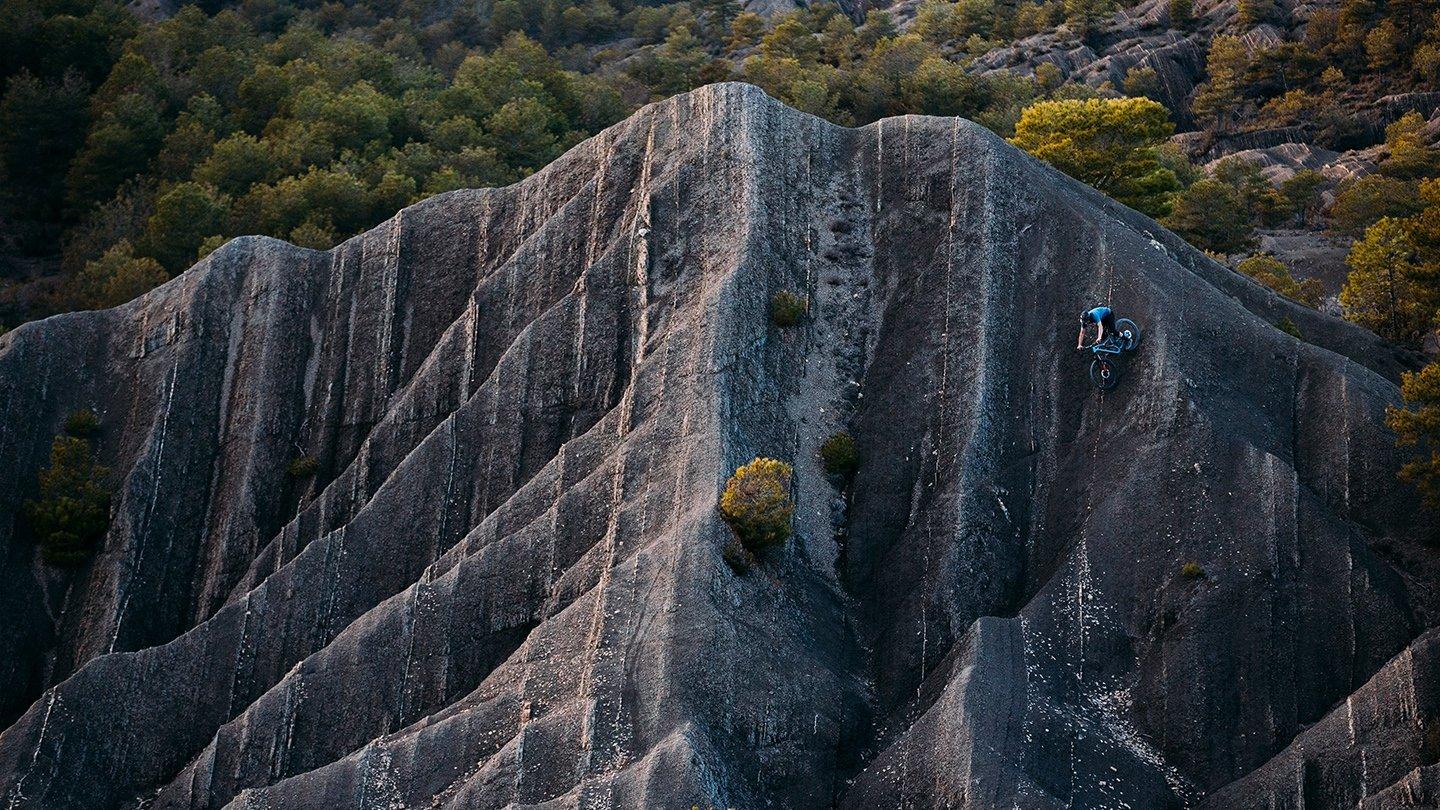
(1101,315)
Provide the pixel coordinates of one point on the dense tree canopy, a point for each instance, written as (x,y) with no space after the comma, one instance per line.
(1112,144)
(130,146)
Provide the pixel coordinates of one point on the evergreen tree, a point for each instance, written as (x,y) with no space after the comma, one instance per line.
(115,278)
(1212,215)
(1109,143)
(1273,273)
(73,508)
(1085,16)
(1182,13)
(1418,423)
(1386,291)
(1410,156)
(1217,99)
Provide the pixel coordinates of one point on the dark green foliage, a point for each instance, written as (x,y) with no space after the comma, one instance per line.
(184,217)
(1192,571)
(82,424)
(1211,215)
(1418,425)
(1085,16)
(1221,212)
(840,454)
(286,118)
(1182,13)
(1255,12)
(1290,328)
(115,278)
(42,125)
(787,308)
(73,507)
(1366,201)
(1144,81)
(1265,204)
(137,145)
(1302,194)
(303,467)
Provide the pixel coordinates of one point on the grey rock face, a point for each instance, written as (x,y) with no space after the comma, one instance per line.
(504,585)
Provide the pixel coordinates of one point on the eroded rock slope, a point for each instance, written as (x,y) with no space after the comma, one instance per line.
(504,585)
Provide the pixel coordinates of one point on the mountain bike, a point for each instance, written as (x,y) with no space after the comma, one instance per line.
(1110,353)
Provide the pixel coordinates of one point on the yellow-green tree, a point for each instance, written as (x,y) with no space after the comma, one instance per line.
(1111,144)
(757,503)
(1410,156)
(1361,203)
(1419,423)
(1387,290)
(745,30)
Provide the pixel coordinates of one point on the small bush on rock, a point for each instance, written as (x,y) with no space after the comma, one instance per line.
(787,308)
(840,454)
(303,467)
(73,509)
(757,503)
(1192,570)
(81,424)
(1290,328)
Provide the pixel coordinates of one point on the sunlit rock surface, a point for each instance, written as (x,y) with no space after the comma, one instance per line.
(504,584)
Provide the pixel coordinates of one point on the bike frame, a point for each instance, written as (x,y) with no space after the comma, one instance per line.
(1108,346)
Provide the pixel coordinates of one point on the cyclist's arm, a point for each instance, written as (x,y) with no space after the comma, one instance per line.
(1080,341)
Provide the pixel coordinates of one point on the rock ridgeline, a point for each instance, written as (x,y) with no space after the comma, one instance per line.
(503,581)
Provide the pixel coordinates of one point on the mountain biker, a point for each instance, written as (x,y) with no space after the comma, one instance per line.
(1104,320)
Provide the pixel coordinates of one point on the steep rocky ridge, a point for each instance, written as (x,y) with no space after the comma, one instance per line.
(505,583)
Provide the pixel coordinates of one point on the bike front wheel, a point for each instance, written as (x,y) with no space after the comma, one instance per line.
(1105,373)
(1129,331)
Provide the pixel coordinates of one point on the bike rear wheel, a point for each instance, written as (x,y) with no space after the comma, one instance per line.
(1130,332)
(1105,372)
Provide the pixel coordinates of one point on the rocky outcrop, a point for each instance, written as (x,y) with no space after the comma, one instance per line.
(1137,37)
(505,585)
(1372,750)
